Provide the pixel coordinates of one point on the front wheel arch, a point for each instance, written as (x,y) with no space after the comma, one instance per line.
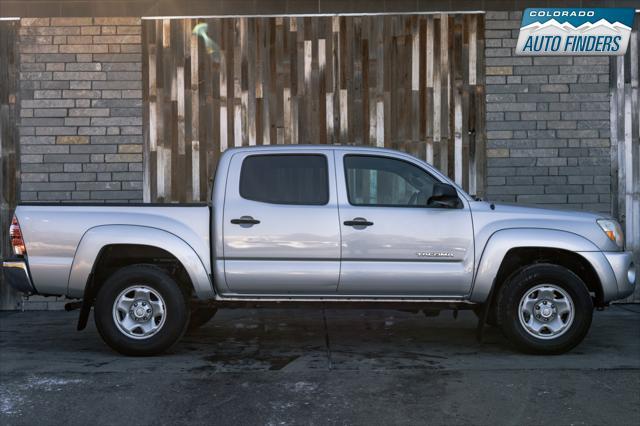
(501,244)
(520,257)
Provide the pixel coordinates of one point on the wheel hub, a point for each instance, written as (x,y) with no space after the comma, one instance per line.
(141,311)
(546,311)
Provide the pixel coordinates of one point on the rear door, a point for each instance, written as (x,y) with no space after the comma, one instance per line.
(281,229)
(393,243)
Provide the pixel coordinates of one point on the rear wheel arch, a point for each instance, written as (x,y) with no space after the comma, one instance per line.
(105,248)
(116,256)
(145,244)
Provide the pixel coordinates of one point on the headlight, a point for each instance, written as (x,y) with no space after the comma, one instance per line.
(613,231)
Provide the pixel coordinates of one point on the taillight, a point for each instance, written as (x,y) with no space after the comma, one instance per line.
(17,242)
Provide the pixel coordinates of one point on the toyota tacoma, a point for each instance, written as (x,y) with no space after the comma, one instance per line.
(322,226)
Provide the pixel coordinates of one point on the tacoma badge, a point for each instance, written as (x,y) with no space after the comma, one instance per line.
(434,254)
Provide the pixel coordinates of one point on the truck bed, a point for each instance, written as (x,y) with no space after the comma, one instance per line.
(53,231)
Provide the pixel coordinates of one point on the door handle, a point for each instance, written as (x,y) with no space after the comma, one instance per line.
(358,221)
(245,220)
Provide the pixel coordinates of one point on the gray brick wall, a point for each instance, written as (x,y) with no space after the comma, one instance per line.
(547,124)
(81,109)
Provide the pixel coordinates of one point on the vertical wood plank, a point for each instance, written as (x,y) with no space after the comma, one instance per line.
(437,86)
(9,149)
(355,102)
(619,130)
(415,80)
(249,85)
(240,95)
(633,117)
(380,81)
(473,53)
(181,111)
(444,92)
(150,87)
(429,96)
(457,102)
(479,111)
(628,168)
(224,102)
(195,116)
(323,129)
(307,136)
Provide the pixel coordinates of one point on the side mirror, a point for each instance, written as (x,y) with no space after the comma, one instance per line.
(444,195)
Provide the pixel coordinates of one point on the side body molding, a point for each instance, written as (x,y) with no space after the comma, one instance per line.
(502,241)
(100,236)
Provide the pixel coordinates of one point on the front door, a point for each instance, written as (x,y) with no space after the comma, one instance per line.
(393,243)
(281,229)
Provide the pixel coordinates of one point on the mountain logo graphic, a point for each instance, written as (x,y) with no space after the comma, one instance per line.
(597,31)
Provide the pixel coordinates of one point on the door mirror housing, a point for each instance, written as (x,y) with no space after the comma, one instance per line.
(444,195)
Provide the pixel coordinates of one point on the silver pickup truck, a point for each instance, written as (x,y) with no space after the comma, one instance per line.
(322,226)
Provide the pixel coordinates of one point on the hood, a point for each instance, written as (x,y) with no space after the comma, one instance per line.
(489,218)
(516,211)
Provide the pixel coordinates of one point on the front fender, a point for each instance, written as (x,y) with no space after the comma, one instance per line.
(503,241)
(95,239)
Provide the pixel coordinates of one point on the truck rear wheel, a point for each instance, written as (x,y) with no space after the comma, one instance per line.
(140,310)
(545,309)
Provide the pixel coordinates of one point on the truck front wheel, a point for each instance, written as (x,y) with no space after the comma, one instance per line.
(545,309)
(140,310)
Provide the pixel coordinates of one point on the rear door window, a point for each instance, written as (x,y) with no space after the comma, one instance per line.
(285,179)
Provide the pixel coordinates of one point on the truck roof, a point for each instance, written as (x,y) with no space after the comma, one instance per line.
(304,147)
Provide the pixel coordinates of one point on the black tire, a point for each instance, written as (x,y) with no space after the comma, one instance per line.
(200,316)
(176,310)
(520,284)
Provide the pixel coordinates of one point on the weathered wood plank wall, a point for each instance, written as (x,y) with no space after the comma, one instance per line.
(409,82)
(9,164)
(625,142)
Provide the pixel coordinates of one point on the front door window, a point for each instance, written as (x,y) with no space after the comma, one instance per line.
(386,182)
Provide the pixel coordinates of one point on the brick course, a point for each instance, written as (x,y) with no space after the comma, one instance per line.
(547,124)
(81,109)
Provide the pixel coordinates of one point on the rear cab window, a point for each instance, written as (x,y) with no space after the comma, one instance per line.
(285,179)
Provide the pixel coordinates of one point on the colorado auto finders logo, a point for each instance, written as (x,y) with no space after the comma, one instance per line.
(598,31)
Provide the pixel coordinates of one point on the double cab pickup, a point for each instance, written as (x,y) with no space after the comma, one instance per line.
(318,226)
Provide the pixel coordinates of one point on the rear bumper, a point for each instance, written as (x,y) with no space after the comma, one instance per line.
(16,273)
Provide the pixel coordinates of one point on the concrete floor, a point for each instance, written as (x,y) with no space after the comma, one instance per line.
(280,367)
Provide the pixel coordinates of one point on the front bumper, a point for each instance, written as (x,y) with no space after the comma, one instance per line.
(616,272)
(625,271)
(16,273)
